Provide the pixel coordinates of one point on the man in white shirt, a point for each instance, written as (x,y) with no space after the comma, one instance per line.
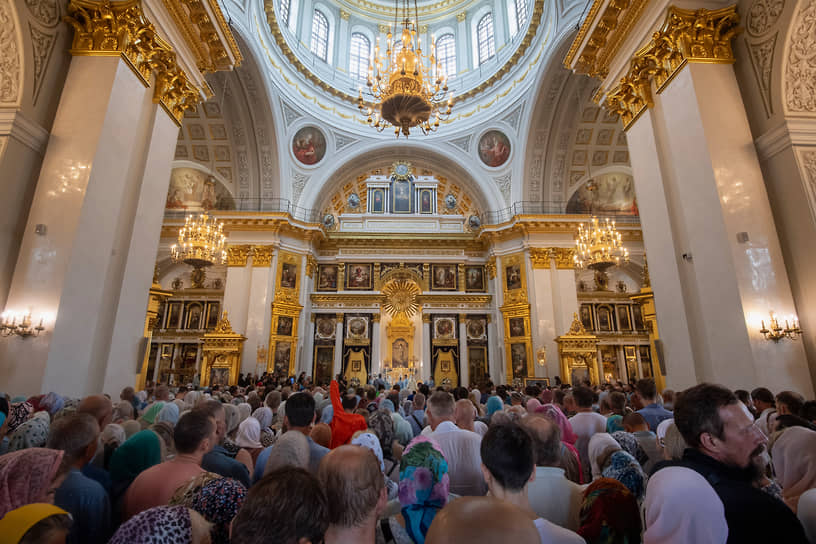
(765,405)
(552,496)
(507,465)
(461,448)
(585,423)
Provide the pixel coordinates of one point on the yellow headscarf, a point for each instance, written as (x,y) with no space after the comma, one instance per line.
(17,522)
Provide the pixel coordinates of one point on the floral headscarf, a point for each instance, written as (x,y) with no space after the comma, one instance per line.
(609,513)
(26,477)
(19,414)
(381,424)
(631,446)
(423,487)
(625,469)
(157,526)
(32,433)
(219,501)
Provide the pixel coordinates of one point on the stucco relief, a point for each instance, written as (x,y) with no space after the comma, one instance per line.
(808,161)
(290,114)
(534,183)
(762,15)
(505,184)
(514,117)
(45,12)
(299,182)
(342,140)
(800,72)
(762,61)
(42,44)
(463,142)
(10,64)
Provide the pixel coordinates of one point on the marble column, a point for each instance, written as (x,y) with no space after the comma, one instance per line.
(236,298)
(338,347)
(495,348)
(464,364)
(73,262)
(261,278)
(376,363)
(427,353)
(308,346)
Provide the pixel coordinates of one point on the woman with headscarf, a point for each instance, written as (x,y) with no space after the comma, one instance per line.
(244,411)
(423,490)
(249,439)
(403,433)
(609,514)
(149,417)
(630,445)
(131,427)
(29,476)
(169,414)
(624,468)
(601,447)
(570,460)
(19,413)
(111,437)
(32,433)
(176,524)
(137,454)
(494,404)
(381,424)
(794,460)
(52,403)
(265,417)
(122,411)
(367,439)
(219,501)
(533,405)
(166,433)
(681,507)
(35,523)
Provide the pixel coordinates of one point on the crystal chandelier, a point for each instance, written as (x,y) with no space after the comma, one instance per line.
(405,93)
(599,246)
(200,244)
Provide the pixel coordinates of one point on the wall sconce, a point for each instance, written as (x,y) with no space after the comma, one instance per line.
(10,326)
(777,333)
(541,356)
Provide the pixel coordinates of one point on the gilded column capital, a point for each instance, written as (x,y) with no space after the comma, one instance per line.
(701,35)
(461,16)
(339,317)
(426,318)
(564,257)
(311,265)
(238,255)
(463,318)
(262,256)
(491,267)
(344,15)
(121,28)
(540,257)
(375,318)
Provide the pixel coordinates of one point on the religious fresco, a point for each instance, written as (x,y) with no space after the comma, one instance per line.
(608,193)
(494,148)
(309,145)
(194,190)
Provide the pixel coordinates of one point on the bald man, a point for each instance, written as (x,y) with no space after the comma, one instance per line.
(99,406)
(481,520)
(355,492)
(464,414)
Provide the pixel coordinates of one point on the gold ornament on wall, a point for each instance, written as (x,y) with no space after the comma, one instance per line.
(401,298)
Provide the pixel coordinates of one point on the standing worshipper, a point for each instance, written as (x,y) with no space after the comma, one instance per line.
(794,461)
(164,524)
(138,453)
(345,422)
(249,438)
(585,423)
(29,476)
(85,499)
(652,411)
(609,513)
(33,433)
(219,460)
(218,500)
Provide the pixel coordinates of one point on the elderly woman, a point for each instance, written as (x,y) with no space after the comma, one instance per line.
(609,513)
(265,417)
(218,500)
(290,450)
(367,439)
(608,460)
(137,454)
(794,460)
(29,476)
(249,439)
(381,424)
(164,524)
(32,433)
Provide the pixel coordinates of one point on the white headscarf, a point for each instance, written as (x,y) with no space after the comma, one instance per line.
(599,444)
(794,460)
(245,410)
(264,416)
(249,434)
(662,427)
(681,507)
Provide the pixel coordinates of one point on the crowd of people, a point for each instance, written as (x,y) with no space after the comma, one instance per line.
(286,461)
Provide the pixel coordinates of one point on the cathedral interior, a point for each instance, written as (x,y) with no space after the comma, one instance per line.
(443,248)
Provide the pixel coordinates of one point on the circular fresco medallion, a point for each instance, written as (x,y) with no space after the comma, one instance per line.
(357,326)
(326,327)
(309,145)
(475,328)
(494,148)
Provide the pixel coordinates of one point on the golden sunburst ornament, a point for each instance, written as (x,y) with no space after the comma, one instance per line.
(401,298)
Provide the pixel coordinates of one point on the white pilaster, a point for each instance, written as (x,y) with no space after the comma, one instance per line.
(259,312)
(338,347)
(464,363)
(427,354)
(376,364)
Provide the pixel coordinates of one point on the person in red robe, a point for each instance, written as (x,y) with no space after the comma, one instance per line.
(345,422)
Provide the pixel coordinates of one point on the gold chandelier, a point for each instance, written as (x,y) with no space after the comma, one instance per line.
(405,92)
(598,246)
(201,243)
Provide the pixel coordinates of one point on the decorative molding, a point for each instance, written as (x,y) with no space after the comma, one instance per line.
(262,256)
(505,184)
(808,161)
(238,255)
(342,140)
(540,257)
(45,12)
(121,29)
(42,44)
(10,56)
(785,134)
(514,117)
(194,19)
(800,69)
(463,142)
(16,125)
(299,181)
(461,16)
(290,114)
(564,257)
(685,36)
(761,55)
(762,15)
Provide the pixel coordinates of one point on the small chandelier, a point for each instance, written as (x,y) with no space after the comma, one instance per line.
(405,92)
(776,333)
(599,246)
(200,244)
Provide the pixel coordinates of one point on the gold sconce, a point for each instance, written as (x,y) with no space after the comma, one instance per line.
(10,325)
(776,333)
(541,356)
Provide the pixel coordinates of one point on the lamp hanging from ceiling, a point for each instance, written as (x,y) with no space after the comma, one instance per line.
(599,246)
(200,244)
(405,92)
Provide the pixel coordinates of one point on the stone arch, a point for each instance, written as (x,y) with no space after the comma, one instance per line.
(11,56)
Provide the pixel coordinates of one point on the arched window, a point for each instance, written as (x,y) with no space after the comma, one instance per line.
(284,12)
(485,39)
(358,56)
(446,55)
(521,13)
(320,35)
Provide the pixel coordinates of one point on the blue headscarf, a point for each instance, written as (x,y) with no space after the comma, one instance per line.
(327,415)
(168,413)
(423,487)
(494,404)
(387,405)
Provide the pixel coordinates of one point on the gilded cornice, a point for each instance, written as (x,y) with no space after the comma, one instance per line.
(262,256)
(563,256)
(334,242)
(702,36)
(311,265)
(194,18)
(280,40)
(121,29)
(238,255)
(368,299)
